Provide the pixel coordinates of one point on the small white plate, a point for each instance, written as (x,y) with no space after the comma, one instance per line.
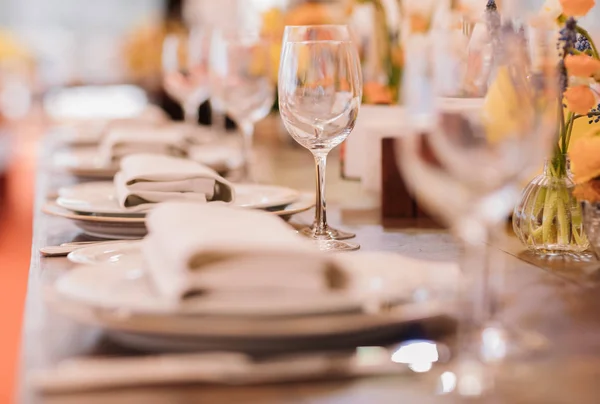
(99,198)
(117,253)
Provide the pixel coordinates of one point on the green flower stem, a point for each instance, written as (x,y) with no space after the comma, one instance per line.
(587,36)
(562,236)
(570,124)
(590,115)
(549,214)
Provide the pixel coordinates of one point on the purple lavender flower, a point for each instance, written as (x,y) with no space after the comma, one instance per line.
(582,44)
(568,36)
(593,115)
(563,77)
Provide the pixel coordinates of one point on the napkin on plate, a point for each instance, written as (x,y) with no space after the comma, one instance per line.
(130,138)
(193,248)
(147,179)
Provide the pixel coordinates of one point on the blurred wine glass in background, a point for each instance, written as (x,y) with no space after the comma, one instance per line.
(467,155)
(185,69)
(240,82)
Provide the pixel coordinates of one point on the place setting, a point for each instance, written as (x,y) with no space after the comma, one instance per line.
(260,290)
(123,137)
(117,209)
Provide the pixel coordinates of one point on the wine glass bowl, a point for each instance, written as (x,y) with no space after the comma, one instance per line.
(318,113)
(185,70)
(241,82)
(467,156)
(320,91)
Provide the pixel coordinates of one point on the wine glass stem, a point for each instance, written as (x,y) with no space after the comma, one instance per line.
(190,114)
(247,129)
(217,120)
(478,297)
(320,226)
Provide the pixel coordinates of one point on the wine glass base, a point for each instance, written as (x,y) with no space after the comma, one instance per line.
(475,373)
(499,343)
(334,234)
(335,245)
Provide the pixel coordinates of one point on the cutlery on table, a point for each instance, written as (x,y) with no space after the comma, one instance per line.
(66,248)
(220,368)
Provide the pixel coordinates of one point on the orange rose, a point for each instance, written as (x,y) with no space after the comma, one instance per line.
(584,158)
(577,8)
(580,99)
(582,65)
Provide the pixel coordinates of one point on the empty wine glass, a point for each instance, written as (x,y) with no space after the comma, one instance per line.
(466,157)
(185,70)
(320,90)
(241,84)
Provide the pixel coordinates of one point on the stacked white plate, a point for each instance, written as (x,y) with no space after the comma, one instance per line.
(94,208)
(113,292)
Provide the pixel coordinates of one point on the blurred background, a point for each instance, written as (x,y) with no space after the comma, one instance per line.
(49,45)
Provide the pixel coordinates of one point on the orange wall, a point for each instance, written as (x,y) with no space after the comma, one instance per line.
(15,251)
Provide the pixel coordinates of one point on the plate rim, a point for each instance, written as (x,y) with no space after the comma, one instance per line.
(297,196)
(53,209)
(278,327)
(72,256)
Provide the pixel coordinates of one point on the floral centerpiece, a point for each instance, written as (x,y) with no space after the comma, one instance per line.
(548,219)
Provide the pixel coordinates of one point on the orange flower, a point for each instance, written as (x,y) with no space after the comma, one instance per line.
(577,8)
(376,93)
(580,99)
(584,158)
(582,65)
(418,24)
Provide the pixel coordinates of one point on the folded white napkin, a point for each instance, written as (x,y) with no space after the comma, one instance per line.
(147,179)
(129,138)
(192,248)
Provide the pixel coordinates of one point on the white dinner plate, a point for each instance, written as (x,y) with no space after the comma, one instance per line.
(119,227)
(389,277)
(180,333)
(99,198)
(119,299)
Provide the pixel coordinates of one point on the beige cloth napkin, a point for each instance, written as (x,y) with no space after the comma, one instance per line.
(194,248)
(147,179)
(129,138)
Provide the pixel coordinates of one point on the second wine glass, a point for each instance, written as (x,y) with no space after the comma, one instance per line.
(241,83)
(320,90)
(185,70)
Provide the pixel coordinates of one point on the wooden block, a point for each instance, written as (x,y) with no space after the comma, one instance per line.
(398,206)
(396,201)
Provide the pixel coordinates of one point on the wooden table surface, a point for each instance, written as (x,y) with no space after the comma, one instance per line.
(557,298)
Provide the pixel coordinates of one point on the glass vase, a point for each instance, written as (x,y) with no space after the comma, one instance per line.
(548,219)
